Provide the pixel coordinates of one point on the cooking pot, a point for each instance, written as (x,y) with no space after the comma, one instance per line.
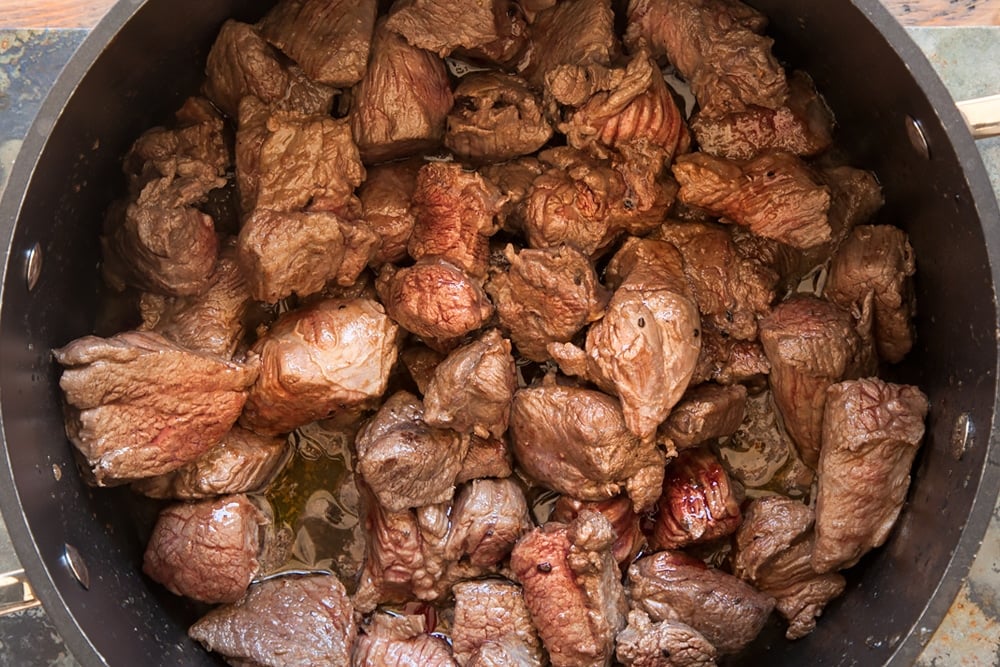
(82,548)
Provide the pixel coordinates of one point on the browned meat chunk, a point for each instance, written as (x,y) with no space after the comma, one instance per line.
(716,46)
(546,296)
(206,551)
(405,462)
(570,40)
(629,539)
(646,347)
(401,104)
(698,504)
(242,463)
(811,343)
(420,362)
(211,322)
(514,179)
(285,253)
(707,412)
(488,517)
(871,432)
(487,457)
(435,300)
(492,610)
(732,290)
(573,589)
(287,161)
(672,586)
(385,196)
(289,620)
(455,213)
(663,644)
(491,29)
(329,39)
(496,117)
(506,652)
(241,63)
(804,126)
(400,641)
(331,355)
(575,441)
(728,361)
(472,389)
(124,392)
(878,260)
(774,546)
(776,195)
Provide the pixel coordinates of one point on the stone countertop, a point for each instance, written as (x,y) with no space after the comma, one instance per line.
(965,57)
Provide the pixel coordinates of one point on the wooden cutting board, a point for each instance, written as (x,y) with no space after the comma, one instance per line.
(86,13)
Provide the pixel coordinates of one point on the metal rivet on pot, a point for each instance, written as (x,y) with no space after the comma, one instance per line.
(962,434)
(918,139)
(77,567)
(33,266)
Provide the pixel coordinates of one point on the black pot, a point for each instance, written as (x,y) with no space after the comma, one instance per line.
(139,64)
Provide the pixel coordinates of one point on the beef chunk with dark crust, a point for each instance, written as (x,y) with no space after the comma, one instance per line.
(402,102)
(399,641)
(496,117)
(206,551)
(663,644)
(629,539)
(386,198)
(329,39)
(288,620)
(568,573)
(124,395)
(670,585)
(706,412)
(871,432)
(491,610)
(493,30)
(318,359)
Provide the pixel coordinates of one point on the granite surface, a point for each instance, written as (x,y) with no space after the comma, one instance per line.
(967,60)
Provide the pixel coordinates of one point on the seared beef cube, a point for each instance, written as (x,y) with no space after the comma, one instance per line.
(776,195)
(242,63)
(629,539)
(803,125)
(811,344)
(472,389)
(716,46)
(287,161)
(329,39)
(455,213)
(646,347)
(572,587)
(728,361)
(435,300)
(159,242)
(506,652)
(698,504)
(663,644)
(386,197)
(492,610)
(206,551)
(488,517)
(732,290)
(242,463)
(316,360)
(402,102)
(871,432)
(405,461)
(878,260)
(546,296)
(123,392)
(706,412)
(571,40)
(288,620)
(857,196)
(492,28)
(496,117)
(575,441)
(285,253)
(774,545)
(487,457)
(514,179)
(211,322)
(420,362)
(672,586)
(399,641)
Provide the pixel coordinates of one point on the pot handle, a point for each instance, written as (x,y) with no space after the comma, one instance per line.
(16,593)
(982,115)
